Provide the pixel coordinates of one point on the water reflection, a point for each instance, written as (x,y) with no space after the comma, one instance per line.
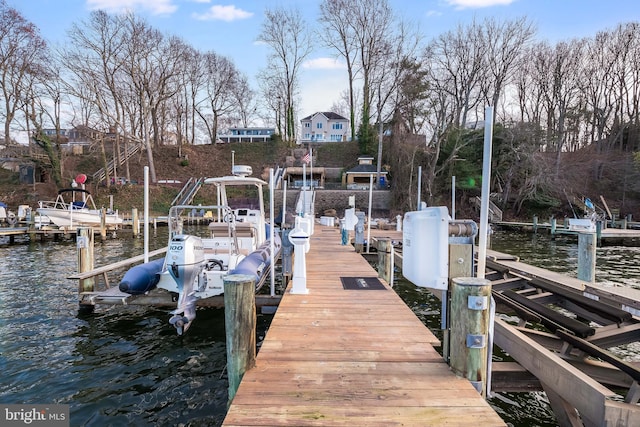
(117,366)
(614,264)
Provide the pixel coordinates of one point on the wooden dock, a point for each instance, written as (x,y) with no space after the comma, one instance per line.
(611,236)
(345,357)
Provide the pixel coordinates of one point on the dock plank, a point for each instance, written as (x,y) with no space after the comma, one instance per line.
(339,357)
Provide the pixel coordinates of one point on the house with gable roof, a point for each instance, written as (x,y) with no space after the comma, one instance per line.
(324,127)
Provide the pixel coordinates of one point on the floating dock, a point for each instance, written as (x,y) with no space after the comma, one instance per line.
(351,353)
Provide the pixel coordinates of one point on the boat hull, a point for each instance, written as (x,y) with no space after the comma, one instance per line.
(69,218)
(257,263)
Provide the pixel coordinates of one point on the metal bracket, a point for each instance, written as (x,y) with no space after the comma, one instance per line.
(476,341)
(477,302)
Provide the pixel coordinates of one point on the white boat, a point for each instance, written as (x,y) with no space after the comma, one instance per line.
(74,207)
(236,241)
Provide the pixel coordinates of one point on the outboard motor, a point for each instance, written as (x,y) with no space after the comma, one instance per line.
(185,261)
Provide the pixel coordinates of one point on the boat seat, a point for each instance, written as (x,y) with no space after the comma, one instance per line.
(221,229)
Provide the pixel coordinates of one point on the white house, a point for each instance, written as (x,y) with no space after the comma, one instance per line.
(251,134)
(323,127)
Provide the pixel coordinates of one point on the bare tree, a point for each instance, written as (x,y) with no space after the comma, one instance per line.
(286,33)
(505,44)
(557,74)
(94,61)
(338,33)
(21,49)
(219,91)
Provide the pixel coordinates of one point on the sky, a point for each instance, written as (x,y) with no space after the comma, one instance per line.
(231,27)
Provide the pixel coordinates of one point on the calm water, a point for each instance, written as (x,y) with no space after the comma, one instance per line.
(125,366)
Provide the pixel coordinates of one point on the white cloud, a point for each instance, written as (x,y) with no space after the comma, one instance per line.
(156,7)
(476,4)
(223,13)
(431,13)
(324,64)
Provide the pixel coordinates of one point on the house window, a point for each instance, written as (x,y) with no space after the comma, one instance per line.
(307,125)
(307,136)
(319,125)
(336,137)
(337,126)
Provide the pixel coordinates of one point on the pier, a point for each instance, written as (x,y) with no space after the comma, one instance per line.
(350,352)
(345,357)
(622,232)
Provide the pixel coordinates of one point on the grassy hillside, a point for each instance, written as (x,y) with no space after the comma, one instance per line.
(173,163)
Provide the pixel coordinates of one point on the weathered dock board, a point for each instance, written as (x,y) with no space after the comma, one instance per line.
(342,357)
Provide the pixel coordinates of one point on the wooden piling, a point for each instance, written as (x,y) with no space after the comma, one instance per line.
(240,327)
(587,256)
(103,224)
(135,222)
(31,224)
(535,224)
(599,224)
(469,338)
(84,244)
(553,228)
(385,260)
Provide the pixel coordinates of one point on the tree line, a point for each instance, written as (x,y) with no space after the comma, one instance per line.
(119,75)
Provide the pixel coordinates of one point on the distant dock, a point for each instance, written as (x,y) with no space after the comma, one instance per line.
(623,232)
(31,232)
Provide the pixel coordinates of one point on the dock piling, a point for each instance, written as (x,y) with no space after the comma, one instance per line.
(359,233)
(240,327)
(84,244)
(469,334)
(135,221)
(103,224)
(587,256)
(385,260)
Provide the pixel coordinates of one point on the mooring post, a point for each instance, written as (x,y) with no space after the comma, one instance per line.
(599,233)
(359,232)
(300,241)
(385,260)
(103,224)
(623,223)
(535,224)
(135,222)
(84,244)
(469,334)
(587,256)
(240,327)
(31,224)
(344,233)
(553,228)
